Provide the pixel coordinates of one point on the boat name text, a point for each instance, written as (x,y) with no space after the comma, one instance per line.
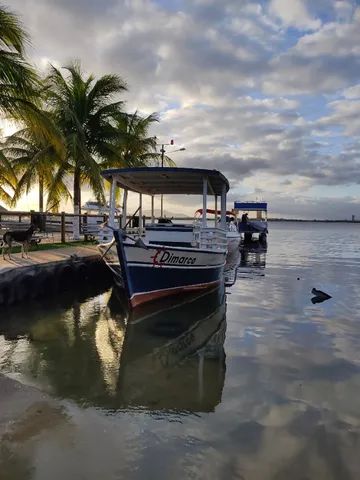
(164,257)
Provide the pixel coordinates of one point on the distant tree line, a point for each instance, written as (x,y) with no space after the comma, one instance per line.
(70,126)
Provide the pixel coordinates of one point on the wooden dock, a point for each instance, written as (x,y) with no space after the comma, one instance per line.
(46,272)
(41,257)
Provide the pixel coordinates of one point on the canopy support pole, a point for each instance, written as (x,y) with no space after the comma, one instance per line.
(152,210)
(112,203)
(124,212)
(216,207)
(205,184)
(223,207)
(140,213)
(162,206)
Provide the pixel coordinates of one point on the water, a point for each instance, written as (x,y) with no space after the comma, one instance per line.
(255,383)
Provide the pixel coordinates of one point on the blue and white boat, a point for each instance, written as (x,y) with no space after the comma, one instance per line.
(163,258)
(255,225)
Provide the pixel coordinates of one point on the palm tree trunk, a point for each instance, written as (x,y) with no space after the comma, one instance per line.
(41,194)
(77,200)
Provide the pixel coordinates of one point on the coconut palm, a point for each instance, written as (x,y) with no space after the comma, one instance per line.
(17,84)
(18,80)
(84,110)
(20,86)
(35,160)
(8,180)
(135,147)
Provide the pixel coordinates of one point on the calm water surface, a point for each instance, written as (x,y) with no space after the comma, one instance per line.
(253,383)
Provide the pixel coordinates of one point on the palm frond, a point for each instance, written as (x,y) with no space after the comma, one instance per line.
(13,35)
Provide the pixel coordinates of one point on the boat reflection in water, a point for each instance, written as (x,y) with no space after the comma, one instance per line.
(96,352)
(248,259)
(252,260)
(253,256)
(172,356)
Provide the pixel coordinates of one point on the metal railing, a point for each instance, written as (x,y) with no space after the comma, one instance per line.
(209,238)
(59,227)
(54,226)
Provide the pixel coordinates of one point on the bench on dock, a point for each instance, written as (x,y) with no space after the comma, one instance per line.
(90,230)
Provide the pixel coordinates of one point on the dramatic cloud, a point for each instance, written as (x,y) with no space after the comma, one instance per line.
(266,91)
(297,16)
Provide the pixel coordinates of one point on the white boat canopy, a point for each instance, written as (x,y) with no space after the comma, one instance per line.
(168,180)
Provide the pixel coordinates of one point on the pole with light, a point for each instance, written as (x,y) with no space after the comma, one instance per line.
(162,151)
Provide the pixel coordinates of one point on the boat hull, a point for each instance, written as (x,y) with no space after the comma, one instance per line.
(153,271)
(253,226)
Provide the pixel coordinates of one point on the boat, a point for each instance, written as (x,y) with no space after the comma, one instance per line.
(96,214)
(158,259)
(248,227)
(94,207)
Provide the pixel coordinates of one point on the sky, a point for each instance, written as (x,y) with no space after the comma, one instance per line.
(268,92)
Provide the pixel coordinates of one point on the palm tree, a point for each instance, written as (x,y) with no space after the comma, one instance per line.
(20,96)
(35,160)
(136,148)
(8,179)
(18,80)
(84,110)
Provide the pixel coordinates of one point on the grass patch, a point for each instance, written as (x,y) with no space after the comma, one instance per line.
(52,246)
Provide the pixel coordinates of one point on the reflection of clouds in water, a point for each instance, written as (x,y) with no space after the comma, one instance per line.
(293,369)
(109,339)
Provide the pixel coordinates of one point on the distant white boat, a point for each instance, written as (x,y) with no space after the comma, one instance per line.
(97,212)
(96,207)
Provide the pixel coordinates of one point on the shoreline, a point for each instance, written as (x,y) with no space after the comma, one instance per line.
(311,221)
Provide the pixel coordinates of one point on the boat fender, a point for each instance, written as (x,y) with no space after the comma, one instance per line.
(26,288)
(82,272)
(4,294)
(66,277)
(45,284)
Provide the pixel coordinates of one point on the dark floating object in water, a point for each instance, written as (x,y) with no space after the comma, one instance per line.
(319,296)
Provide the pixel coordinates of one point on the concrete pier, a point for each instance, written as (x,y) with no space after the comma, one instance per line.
(48,271)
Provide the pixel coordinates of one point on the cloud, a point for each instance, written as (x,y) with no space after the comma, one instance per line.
(320,62)
(345,114)
(268,92)
(294,14)
(352,92)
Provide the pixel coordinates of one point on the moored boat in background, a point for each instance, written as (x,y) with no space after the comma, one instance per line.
(257,224)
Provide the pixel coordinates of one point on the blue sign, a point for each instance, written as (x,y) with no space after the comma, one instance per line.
(250,206)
